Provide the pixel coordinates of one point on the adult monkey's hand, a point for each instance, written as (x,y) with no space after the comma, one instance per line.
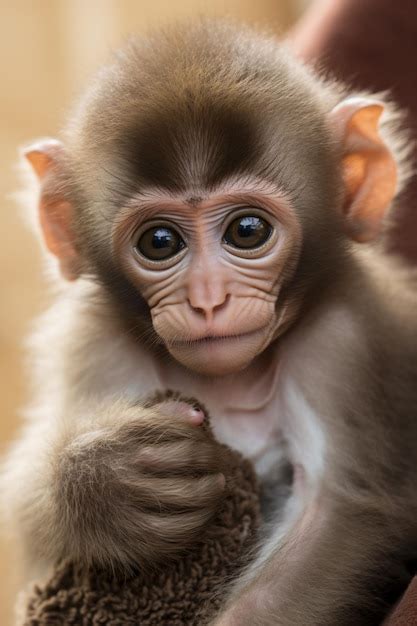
(373,46)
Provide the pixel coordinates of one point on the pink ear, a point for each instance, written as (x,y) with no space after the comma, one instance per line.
(368,166)
(42,154)
(55,210)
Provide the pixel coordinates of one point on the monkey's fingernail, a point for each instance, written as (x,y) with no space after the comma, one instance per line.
(196,416)
(222,481)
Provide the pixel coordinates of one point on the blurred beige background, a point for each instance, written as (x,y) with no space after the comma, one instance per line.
(48,48)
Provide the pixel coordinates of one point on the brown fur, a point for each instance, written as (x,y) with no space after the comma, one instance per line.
(184,591)
(184,110)
(179,117)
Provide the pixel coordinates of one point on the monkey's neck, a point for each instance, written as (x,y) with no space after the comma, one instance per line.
(245,402)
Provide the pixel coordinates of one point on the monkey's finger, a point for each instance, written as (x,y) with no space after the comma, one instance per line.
(155,428)
(174,529)
(180,456)
(154,493)
(179,409)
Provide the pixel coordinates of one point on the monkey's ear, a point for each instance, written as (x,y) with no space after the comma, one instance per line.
(55,210)
(368,166)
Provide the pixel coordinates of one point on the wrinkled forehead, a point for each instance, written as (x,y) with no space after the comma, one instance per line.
(228,195)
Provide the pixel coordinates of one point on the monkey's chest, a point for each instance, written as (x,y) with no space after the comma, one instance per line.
(256,434)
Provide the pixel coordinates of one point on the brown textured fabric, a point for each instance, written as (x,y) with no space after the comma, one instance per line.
(185,592)
(371,44)
(405,614)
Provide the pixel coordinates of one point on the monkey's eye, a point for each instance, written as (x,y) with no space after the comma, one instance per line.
(160,243)
(247,231)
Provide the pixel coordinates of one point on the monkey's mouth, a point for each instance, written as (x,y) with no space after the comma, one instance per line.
(213,339)
(219,354)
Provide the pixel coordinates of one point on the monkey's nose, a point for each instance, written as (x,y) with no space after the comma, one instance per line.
(208,309)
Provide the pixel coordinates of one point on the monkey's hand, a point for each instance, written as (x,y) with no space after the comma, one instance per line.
(136,486)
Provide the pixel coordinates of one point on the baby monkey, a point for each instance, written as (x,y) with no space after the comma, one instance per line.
(214,209)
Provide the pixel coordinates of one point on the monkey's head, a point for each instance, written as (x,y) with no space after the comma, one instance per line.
(209,182)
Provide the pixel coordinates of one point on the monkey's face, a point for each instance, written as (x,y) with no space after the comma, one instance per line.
(211,271)
(147,199)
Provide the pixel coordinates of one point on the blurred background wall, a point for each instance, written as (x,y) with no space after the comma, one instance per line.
(48,48)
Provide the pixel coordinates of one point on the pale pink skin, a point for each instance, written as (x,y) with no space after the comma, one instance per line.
(211,290)
(182,410)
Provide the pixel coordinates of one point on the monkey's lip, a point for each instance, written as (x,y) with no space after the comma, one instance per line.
(214,339)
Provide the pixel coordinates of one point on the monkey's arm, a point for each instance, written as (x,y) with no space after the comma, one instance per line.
(328,570)
(118,485)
